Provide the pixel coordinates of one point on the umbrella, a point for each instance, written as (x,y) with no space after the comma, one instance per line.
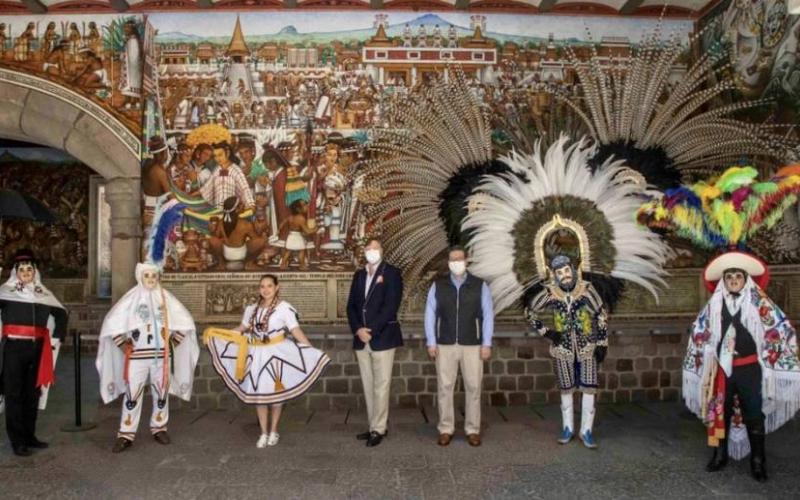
(15,205)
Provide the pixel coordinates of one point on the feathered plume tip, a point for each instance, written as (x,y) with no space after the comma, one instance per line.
(168,214)
(663,129)
(724,211)
(506,244)
(439,148)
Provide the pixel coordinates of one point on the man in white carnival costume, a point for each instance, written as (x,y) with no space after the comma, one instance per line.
(140,334)
(741,374)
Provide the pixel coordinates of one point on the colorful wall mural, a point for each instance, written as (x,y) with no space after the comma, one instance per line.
(259,120)
(99,56)
(764,44)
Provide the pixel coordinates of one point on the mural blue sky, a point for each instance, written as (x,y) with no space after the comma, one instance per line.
(211,25)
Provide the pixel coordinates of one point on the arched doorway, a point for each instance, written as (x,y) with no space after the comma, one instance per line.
(36,110)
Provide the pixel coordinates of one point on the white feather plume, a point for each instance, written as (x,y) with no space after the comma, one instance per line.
(562,170)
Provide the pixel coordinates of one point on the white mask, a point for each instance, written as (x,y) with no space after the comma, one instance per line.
(457,267)
(373,256)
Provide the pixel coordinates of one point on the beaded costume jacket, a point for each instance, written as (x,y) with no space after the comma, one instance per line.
(578,316)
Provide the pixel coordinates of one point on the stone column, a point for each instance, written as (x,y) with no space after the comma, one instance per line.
(124,197)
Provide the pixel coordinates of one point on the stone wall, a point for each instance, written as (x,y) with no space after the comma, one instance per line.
(639,367)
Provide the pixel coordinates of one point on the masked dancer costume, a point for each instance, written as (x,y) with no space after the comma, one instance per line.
(30,316)
(741,374)
(147,338)
(570,238)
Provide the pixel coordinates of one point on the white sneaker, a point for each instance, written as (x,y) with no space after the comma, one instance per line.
(273,438)
(262,441)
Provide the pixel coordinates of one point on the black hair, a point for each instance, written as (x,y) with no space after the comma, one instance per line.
(269,276)
(457,248)
(24,256)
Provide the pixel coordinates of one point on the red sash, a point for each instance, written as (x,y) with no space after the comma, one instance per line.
(45,376)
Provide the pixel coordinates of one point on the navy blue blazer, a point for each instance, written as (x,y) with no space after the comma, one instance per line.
(378,309)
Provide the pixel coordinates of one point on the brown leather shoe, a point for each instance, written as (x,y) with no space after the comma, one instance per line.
(444,439)
(161,437)
(474,439)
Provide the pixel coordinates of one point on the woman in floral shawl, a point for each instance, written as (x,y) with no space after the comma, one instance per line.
(741,374)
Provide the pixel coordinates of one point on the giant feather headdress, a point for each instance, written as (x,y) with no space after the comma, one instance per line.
(438,150)
(514,219)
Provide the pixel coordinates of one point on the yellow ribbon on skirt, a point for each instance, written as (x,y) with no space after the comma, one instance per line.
(241,342)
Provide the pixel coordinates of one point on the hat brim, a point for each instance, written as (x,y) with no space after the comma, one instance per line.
(751,264)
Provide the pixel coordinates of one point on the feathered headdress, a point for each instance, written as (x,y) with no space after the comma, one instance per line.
(169,212)
(515,221)
(723,214)
(724,211)
(635,111)
(438,150)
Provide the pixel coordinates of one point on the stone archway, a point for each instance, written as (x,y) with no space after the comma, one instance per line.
(36,110)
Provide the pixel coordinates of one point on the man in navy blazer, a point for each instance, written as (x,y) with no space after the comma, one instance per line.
(375,296)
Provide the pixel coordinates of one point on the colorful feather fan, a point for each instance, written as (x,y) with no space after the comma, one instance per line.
(725,211)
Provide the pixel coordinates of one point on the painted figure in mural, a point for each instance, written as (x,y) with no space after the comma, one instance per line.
(408,37)
(131,78)
(298,228)
(180,168)
(55,62)
(422,36)
(30,316)
(437,36)
(91,73)
(200,172)
(147,338)
(452,37)
(155,179)
(22,45)
(75,41)
(579,340)
(375,296)
(3,39)
(459,325)
(49,39)
(741,373)
(267,360)
(236,239)
(334,215)
(227,180)
(275,187)
(93,40)
(246,150)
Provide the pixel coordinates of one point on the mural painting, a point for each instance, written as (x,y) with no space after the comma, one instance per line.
(63,248)
(764,43)
(98,56)
(259,121)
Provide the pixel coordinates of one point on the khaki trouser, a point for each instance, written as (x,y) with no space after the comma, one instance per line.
(376,377)
(447,363)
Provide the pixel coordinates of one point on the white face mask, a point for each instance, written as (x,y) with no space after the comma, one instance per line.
(373,256)
(457,267)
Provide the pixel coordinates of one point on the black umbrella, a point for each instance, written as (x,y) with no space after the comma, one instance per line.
(15,205)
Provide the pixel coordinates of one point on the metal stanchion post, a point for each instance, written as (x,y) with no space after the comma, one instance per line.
(79,425)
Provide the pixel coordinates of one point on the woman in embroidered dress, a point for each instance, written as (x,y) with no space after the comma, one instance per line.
(260,363)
